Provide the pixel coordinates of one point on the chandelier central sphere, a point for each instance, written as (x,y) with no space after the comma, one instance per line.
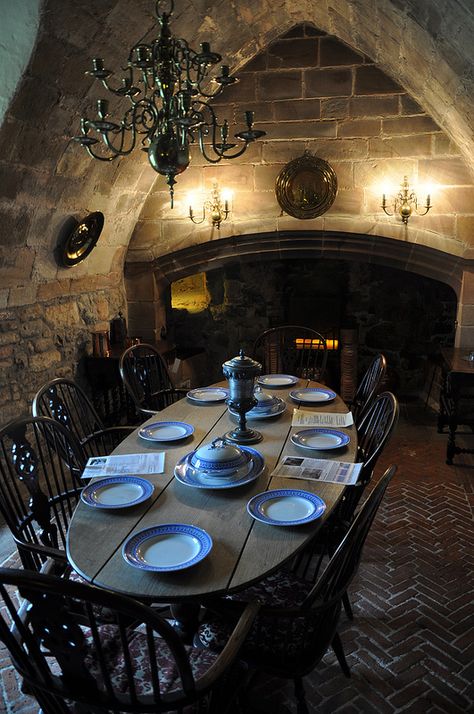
(166,86)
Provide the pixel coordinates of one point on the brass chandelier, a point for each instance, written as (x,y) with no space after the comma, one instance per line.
(169,107)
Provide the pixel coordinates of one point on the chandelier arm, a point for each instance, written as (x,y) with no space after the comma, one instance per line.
(125,127)
(109,88)
(204,153)
(220,153)
(210,96)
(143,106)
(238,153)
(121,151)
(101,158)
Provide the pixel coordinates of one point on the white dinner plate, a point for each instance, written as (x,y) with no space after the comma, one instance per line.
(276,409)
(189,476)
(205,395)
(166,431)
(312,395)
(167,547)
(286,507)
(117,492)
(277,380)
(320,438)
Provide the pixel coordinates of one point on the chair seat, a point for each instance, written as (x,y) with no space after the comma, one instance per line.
(199,659)
(281,589)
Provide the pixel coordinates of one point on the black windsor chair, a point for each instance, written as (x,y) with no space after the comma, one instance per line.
(64,401)
(298,619)
(40,464)
(146,378)
(290,349)
(70,661)
(373,434)
(457,412)
(368,387)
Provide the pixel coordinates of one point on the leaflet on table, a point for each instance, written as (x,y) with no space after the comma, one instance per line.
(303,417)
(125,465)
(318,470)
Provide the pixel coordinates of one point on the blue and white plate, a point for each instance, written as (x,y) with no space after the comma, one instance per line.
(312,395)
(117,492)
(208,395)
(320,438)
(166,431)
(167,547)
(286,507)
(277,380)
(189,476)
(277,408)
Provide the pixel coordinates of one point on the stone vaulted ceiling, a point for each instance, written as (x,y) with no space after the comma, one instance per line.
(426,46)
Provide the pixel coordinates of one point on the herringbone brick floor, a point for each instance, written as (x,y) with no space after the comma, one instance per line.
(411,645)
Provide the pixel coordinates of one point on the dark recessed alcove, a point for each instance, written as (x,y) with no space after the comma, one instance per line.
(402,314)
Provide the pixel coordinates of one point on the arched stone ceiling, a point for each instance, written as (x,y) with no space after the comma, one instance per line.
(425,45)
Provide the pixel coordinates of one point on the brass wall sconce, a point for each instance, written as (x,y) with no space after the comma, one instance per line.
(405,202)
(217,207)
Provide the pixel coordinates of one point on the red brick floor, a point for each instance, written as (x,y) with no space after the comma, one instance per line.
(411,645)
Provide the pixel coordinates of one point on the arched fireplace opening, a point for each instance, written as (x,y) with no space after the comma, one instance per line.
(402,314)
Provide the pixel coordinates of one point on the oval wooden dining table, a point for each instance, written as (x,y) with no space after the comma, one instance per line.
(244,550)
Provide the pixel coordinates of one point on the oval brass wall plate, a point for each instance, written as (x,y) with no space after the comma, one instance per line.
(78,242)
(306,187)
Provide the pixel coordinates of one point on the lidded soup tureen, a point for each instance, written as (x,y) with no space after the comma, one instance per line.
(219,458)
(265,401)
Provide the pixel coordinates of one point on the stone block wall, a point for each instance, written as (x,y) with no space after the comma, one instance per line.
(310,91)
(47,312)
(48,339)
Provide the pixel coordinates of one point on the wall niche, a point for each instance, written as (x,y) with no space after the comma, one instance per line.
(404,315)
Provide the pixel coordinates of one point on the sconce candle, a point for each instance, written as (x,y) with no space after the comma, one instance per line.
(217,207)
(405,203)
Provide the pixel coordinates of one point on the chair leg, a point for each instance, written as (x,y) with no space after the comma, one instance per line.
(347,606)
(301,706)
(341,657)
(451,446)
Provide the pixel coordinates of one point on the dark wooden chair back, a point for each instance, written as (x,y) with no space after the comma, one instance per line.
(291,349)
(310,628)
(373,434)
(368,387)
(71,661)
(67,403)
(40,460)
(145,376)
(457,411)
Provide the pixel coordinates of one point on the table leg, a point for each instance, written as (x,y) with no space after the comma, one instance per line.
(185,619)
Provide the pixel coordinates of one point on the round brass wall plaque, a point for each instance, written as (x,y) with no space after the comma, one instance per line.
(306,187)
(76,244)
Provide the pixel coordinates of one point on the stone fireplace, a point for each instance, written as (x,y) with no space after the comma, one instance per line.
(402,302)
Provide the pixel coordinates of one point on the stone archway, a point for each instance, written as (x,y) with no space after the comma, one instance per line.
(148,284)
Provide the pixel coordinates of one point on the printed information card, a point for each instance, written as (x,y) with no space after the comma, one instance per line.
(125,465)
(318,470)
(303,417)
